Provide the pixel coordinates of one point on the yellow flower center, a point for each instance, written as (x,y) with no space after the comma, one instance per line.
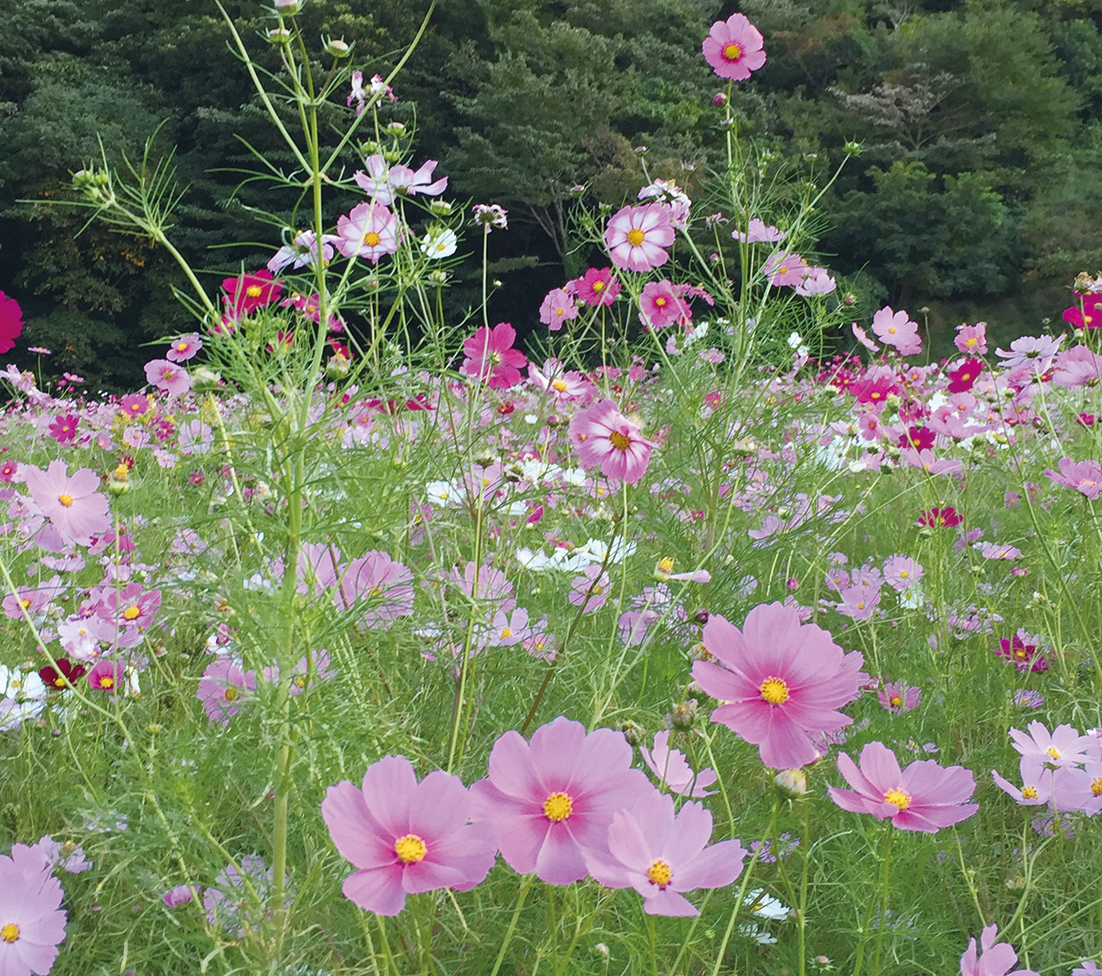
(1020,653)
(560,311)
(1029,792)
(971,342)
(181,347)
(371,239)
(598,286)
(506,632)
(636,237)
(665,564)
(559,385)
(65,499)
(1096,787)
(659,873)
(660,302)
(1053,751)
(774,691)
(897,798)
(60,682)
(107,681)
(619,441)
(895,700)
(231,693)
(131,613)
(558,806)
(732,52)
(410,849)
(10,932)
(254,291)
(25,603)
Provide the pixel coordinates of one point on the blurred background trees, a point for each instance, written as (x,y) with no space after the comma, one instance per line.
(976,194)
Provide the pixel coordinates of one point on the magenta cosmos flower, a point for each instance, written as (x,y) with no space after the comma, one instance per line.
(490,356)
(184,348)
(996,960)
(661,855)
(31,920)
(781,680)
(733,48)
(638,236)
(248,292)
(406,837)
(11,322)
(553,799)
(604,436)
(72,503)
(924,796)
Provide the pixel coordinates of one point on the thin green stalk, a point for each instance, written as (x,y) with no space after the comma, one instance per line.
(885,879)
(525,884)
(652,939)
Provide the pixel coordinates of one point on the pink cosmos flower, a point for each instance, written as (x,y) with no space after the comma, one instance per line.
(554,799)
(1084,314)
(1083,476)
(598,286)
(924,796)
(1062,747)
(660,305)
(248,292)
(72,503)
(107,676)
(380,584)
(1034,353)
(491,356)
(592,589)
(604,436)
(781,680)
(223,689)
(64,427)
(167,376)
(784,268)
(302,251)
(1036,788)
(734,48)
(180,895)
(673,769)
(558,308)
(996,961)
(11,322)
(662,854)
(636,237)
(32,922)
(386,184)
(899,697)
(134,404)
(901,572)
(758,231)
(406,837)
(184,348)
(972,339)
(368,230)
(897,330)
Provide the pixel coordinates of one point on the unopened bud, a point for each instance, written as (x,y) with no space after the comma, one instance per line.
(633,733)
(280,35)
(338,48)
(338,365)
(683,716)
(701,617)
(849,299)
(719,99)
(287,8)
(119,481)
(792,783)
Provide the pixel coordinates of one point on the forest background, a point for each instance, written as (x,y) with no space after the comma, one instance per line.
(977,193)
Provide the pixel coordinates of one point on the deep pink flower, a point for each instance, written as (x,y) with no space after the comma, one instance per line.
(406,837)
(553,799)
(107,675)
(491,356)
(781,680)
(167,376)
(924,796)
(184,348)
(637,237)
(1083,476)
(11,322)
(32,922)
(64,427)
(1022,651)
(602,435)
(134,404)
(660,305)
(598,286)
(248,292)
(734,48)
(996,960)
(369,230)
(965,375)
(223,689)
(673,769)
(661,855)
(72,503)
(940,518)
(1084,314)
(558,308)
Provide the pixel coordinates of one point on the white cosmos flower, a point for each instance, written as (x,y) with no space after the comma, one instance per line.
(440,242)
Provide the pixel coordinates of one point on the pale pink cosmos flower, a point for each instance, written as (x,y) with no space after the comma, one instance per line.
(490,356)
(603,436)
(223,689)
(924,796)
(784,268)
(734,48)
(1064,746)
(899,697)
(972,339)
(817,281)
(902,572)
(1083,476)
(863,337)
(1036,788)
(387,184)
(406,837)
(781,680)
(32,922)
(637,237)
(757,231)
(184,348)
(592,589)
(553,799)
(369,231)
(662,854)
(896,329)
(169,377)
(73,503)
(557,309)
(302,251)
(673,769)
(996,960)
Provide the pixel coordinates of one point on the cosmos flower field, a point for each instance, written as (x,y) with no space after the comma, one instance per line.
(716,628)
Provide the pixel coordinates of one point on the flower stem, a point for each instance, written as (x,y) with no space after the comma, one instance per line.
(525,884)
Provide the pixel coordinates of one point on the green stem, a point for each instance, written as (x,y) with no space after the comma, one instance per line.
(525,884)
